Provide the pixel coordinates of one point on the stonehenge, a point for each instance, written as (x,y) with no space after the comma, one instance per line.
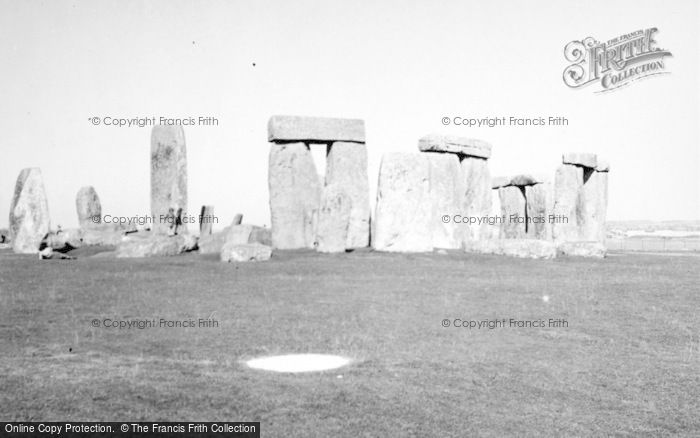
(526,205)
(168,178)
(29,212)
(296,189)
(88,206)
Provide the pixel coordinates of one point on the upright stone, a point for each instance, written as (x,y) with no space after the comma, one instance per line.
(513,210)
(539,199)
(168,177)
(403,219)
(88,205)
(446,192)
(334,218)
(594,200)
(346,168)
(295,192)
(477,195)
(568,184)
(206,220)
(29,212)
(496,214)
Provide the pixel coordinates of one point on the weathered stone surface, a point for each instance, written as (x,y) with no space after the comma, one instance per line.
(154,245)
(237,234)
(539,200)
(88,206)
(29,212)
(260,235)
(333,220)
(456,145)
(237,219)
(568,184)
(4,235)
(249,252)
(526,179)
(168,178)
(315,129)
(65,239)
(523,248)
(513,210)
(581,249)
(101,236)
(477,195)
(580,159)
(496,215)
(593,206)
(206,220)
(346,168)
(603,166)
(446,193)
(403,220)
(212,243)
(295,191)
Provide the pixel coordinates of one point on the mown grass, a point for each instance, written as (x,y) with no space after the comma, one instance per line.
(628,363)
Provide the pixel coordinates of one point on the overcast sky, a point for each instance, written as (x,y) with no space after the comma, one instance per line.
(400,65)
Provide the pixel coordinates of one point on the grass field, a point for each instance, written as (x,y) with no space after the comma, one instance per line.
(627,364)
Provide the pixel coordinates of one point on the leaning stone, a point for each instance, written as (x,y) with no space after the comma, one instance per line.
(446,193)
(568,184)
(168,178)
(29,212)
(333,220)
(539,200)
(295,191)
(457,145)
(403,221)
(346,167)
(249,252)
(154,245)
(206,219)
(580,159)
(513,212)
(593,207)
(522,248)
(476,202)
(88,206)
(315,129)
(581,249)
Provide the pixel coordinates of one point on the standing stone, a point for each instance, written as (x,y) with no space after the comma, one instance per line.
(237,219)
(206,219)
(496,214)
(88,205)
(334,218)
(568,183)
(539,199)
(477,195)
(29,212)
(346,168)
(513,208)
(403,219)
(446,192)
(594,200)
(168,178)
(295,192)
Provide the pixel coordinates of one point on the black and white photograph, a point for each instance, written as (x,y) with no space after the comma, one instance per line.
(335,218)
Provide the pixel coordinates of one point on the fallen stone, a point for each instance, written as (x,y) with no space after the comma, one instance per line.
(522,248)
(102,236)
(568,184)
(580,159)
(168,179)
(249,252)
(206,220)
(333,220)
(65,239)
(29,212)
(539,200)
(456,145)
(48,253)
(581,249)
(403,220)
(260,235)
(238,234)
(89,208)
(446,193)
(154,245)
(295,192)
(212,243)
(476,202)
(346,168)
(513,210)
(315,129)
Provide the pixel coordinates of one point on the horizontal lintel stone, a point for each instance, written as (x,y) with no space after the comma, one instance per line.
(315,129)
(581,159)
(455,145)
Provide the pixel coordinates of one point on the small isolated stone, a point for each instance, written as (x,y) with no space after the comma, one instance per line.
(249,252)
(582,249)
(456,145)
(315,129)
(581,159)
